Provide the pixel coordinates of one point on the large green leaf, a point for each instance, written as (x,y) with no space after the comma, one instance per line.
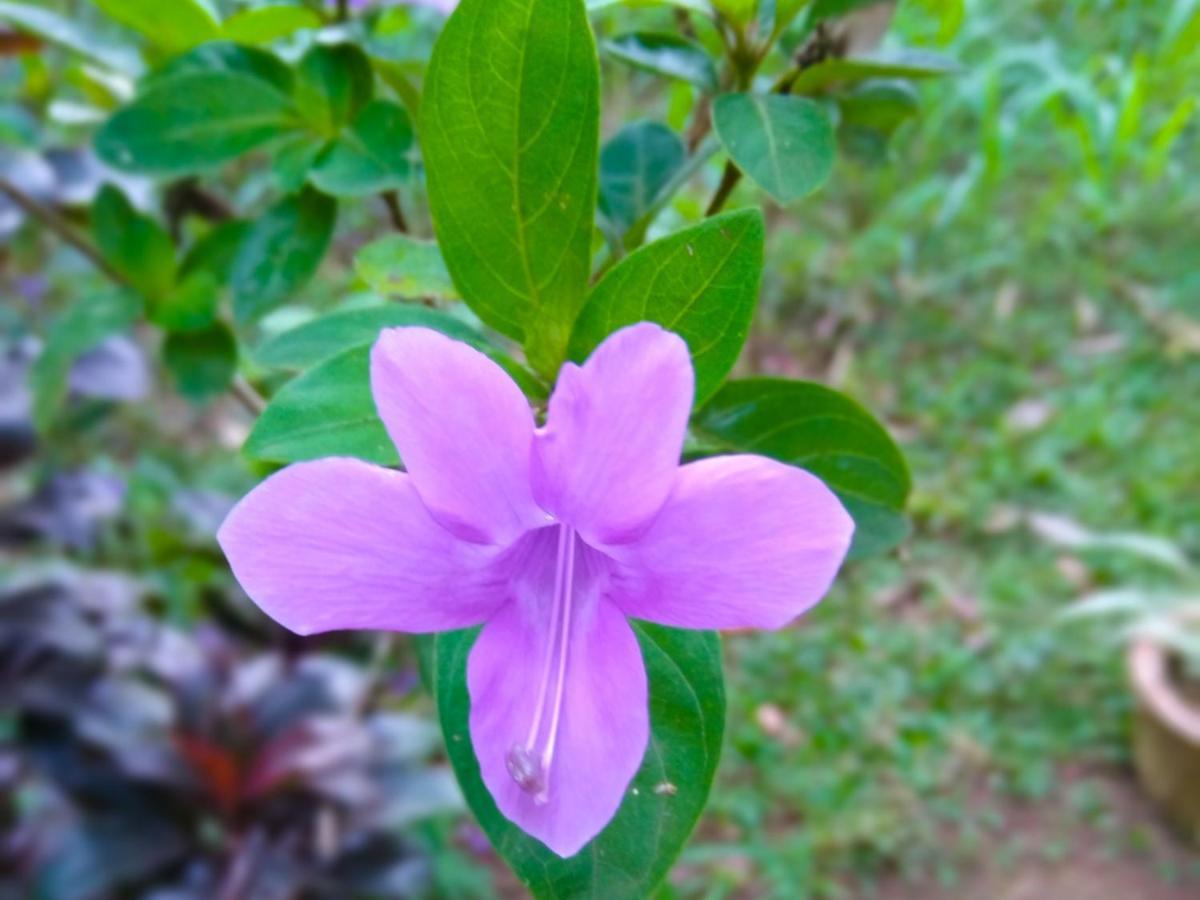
(399,266)
(263,24)
(845,71)
(630,857)
(133,244)
(202,362)
(825,432)
(510,124)
(785,144)
(327,411)
(701,283)
(195,121)
(84,324)
(635,165)
(370,156)
(67,32)
(281,251)
(172,26)
(225,56)
(665,54)
(312,342)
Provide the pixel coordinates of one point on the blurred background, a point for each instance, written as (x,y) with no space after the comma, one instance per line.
(1007,275)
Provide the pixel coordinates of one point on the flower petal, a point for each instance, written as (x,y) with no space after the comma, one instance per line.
(742,542)
(463,429)
(605,460)
(604,727)
(338,543)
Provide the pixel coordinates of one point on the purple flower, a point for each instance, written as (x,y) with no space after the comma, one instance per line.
(552,537)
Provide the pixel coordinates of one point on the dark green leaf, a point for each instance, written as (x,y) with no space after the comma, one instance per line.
(878,105)
(86,323)
(263,24)
(216,251)
(133,244)
(785,144)
(315,341)
(370,156)
(226,56)
(701,283)
(333,83)
(825,432)
(630,857)
(841,71)
(202,363)
(195,121)
(665,54)
(281,252)
(400,266)
(510,120)
(172,26)
(67,32)
(635,166)
(327,411)
(294,158)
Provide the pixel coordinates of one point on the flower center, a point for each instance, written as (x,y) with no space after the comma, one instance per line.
(529,763)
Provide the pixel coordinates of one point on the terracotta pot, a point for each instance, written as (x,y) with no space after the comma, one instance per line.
(1166,737)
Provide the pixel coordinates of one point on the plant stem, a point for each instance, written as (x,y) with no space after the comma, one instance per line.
(241,389)
(391,199)
(729,180)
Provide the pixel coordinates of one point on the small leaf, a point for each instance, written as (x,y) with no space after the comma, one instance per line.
(701,283)
(315,341)
(195,121)
(173,26)
(400,266)
(635,166)
(281,251)
(191,306)
(327,411)
(264,24)
(69,33)
(910,64)
(294,159)
(225,56)
(629,858)
(665,54)
(509,129)
(203,362)
(825,432)
(133,244)
(333,83)
(216,251)
(785,144)
(84,325)
(370,156)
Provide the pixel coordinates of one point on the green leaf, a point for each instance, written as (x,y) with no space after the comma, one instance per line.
(327,411)
(701,283)
(191,306)
(82,326)
(910,64)
(333,83)
(195,121)
(785,144)
(65,32)
(294,158)
(509,128)
(629,858)
(225,56)
(281,251)
(399,266)
(370,156)
(635,166)
(172,27)
(202,362)
(825,432)
(315,341)
(264,24)
(665,54)
(879,105)
(216,251)
(133,244)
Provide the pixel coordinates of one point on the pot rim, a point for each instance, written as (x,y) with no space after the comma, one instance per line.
(1148,672)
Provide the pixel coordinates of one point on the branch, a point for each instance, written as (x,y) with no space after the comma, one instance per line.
(391,199)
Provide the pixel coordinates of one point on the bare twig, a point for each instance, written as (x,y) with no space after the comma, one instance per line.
(391,199)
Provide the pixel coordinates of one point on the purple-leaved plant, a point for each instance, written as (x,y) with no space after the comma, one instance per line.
(551,537)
